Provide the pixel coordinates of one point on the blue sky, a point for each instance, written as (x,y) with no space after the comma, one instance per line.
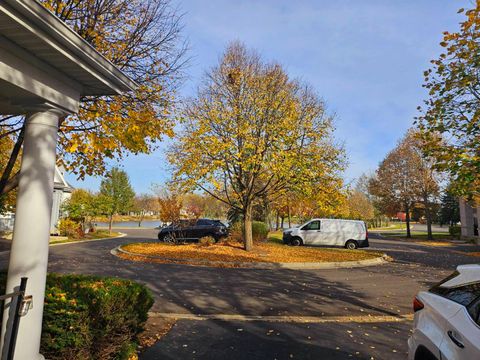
(365,58)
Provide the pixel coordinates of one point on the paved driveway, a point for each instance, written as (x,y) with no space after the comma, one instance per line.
(361,313)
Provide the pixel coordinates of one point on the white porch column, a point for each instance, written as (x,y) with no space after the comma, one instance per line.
(29,252)
(466,218)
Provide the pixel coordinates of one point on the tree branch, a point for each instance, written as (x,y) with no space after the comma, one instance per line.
(11,163)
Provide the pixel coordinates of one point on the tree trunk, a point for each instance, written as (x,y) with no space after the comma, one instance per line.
(428,215)
(247,228)
(407,219)
(277,225)
(110,221)
(289,216)
(281,223)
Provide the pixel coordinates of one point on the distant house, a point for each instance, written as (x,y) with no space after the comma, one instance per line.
(6,221)
(402,216)
(62,191)
(469,215)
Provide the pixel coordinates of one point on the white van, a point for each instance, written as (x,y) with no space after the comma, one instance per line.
(351,234)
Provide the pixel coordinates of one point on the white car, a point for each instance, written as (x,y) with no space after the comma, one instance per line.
(447,318)
(348,233)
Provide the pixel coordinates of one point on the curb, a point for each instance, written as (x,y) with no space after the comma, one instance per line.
(302,319)
(263,265)
(6,252)
(89,240)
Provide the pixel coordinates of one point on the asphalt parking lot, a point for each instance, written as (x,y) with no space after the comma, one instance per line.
(361,313)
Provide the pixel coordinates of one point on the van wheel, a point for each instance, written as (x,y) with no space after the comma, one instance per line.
(351,245)
(296,241)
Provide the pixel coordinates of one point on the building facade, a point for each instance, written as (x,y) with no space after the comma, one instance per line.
(61,192)
(469,215)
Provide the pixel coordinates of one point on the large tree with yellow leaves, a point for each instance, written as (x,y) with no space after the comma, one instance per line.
(252,133)
(142,38)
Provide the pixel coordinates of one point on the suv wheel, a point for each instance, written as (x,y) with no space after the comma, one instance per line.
(169,239)
(423,353)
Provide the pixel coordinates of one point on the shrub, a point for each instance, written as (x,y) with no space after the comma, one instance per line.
(259,231)
(70,228)
(206,241)
(91,317)
(455,230)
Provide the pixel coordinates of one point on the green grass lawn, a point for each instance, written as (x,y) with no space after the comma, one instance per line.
(275,237)
(393,226)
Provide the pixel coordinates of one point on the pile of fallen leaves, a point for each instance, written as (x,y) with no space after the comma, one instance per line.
(434,243)
(155,329)
(233,252)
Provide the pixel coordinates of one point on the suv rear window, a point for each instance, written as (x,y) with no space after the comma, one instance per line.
(467,295)
(474,311)
(463,295)
(203,222)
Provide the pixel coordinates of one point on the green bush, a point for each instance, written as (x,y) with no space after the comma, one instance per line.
(259,231)
(91,317)
(70,228)
(455,230)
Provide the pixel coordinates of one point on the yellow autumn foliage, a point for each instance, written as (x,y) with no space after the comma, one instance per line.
(251,133)
(142,38)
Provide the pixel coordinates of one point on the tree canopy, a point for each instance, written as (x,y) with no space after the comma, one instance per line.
(405,177)
(359,206)
(82,206)
(116,194)
(170,204)
(450,210)
(142,38)
(450,118)
(253,132)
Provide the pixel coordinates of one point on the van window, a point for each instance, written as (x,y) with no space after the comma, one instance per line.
(313,225)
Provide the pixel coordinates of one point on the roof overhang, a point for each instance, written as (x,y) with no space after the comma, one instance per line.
(43,60)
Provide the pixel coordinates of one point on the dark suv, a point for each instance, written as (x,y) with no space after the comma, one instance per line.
(192,230)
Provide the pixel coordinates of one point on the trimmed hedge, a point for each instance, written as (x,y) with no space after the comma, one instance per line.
(260,231)
(91,317)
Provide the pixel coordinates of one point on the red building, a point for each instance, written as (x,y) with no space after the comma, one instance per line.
(401,216)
